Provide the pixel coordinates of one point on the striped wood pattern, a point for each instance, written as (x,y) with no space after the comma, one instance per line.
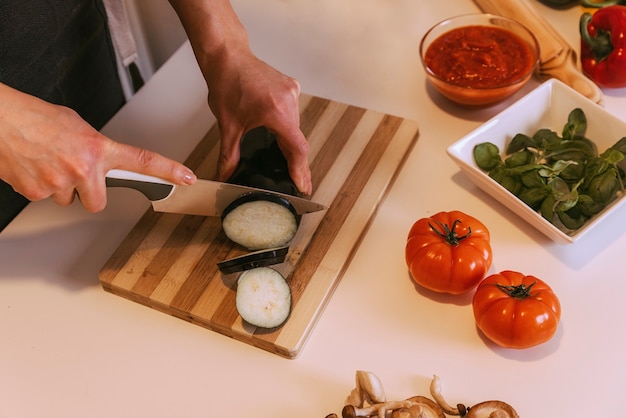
(168,261)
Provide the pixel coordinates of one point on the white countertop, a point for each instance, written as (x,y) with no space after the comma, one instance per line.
(70,349)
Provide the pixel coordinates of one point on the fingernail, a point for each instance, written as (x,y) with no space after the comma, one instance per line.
(189,178)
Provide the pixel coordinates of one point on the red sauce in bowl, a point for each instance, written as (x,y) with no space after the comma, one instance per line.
(479,57)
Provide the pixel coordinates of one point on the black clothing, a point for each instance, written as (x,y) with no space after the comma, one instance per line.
(61,52)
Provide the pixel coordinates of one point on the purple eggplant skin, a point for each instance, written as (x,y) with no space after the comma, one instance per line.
(262,164)
(263,258)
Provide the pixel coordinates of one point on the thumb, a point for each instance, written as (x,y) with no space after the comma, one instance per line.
(143,161)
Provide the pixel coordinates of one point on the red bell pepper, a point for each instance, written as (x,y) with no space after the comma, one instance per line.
(603,46)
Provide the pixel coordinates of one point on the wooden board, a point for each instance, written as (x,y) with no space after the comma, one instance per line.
(168,261)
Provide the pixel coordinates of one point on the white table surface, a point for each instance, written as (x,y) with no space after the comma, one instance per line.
(70,349)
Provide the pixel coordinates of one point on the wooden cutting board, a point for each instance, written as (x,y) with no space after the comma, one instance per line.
(168,261)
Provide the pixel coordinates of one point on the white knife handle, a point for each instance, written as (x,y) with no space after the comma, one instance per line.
(154,188)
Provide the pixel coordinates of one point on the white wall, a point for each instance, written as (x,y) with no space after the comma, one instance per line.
(157,31)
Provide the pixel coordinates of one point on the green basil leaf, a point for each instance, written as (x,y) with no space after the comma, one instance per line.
(534,196)
(546,139)
(519,158)
(620,145)
(547,208)
(603,187)
(573,173)
(507,179)
(564,197)
(520,142)
(595,167)
(576,125)
(487,156)
(571,220)
(581,149)
(612,156)
(533,179)
(588,206)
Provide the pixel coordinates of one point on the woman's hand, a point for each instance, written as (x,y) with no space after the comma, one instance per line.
(244,92)
(247,93)
(48,150)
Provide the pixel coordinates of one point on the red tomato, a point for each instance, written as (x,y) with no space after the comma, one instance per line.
(448,252)
(516,311)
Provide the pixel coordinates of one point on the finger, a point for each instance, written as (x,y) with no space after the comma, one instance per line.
(92,196)
(296,150)
(64,197)
(230,139)
(143,161)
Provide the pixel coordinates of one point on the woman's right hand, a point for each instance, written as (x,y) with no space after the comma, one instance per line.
(48,150)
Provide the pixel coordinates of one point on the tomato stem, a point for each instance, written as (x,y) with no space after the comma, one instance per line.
(449,234)
(518,292)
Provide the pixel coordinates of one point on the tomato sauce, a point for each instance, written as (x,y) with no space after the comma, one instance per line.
(479,57)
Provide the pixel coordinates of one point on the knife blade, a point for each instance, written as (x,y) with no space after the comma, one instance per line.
(205,197)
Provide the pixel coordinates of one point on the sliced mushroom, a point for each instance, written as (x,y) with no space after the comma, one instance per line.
(492,409)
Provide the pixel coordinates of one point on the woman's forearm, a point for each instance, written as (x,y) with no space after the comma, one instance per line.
(214,31)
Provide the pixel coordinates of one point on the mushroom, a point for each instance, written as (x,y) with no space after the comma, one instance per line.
(424,407)
(435,391)
(351,411)
(378,409)
(368,390)
(487,409)
(414,407)
(491,409)
(370,386)
(355,398)
(405,413)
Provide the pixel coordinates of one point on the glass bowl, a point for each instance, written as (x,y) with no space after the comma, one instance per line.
(492,58)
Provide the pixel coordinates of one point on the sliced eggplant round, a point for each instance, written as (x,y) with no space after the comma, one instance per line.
(263,297)
(260,221)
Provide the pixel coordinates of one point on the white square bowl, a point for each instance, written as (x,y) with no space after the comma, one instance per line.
(548,106)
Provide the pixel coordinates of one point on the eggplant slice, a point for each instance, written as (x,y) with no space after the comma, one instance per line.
(259,221)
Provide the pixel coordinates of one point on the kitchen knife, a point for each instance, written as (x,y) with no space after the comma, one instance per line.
(205,197)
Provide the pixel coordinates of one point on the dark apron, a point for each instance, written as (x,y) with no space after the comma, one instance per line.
(59,51)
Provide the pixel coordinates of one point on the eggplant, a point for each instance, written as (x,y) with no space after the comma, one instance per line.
(262,164)
(263,297)
(260,221)
(263,258)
